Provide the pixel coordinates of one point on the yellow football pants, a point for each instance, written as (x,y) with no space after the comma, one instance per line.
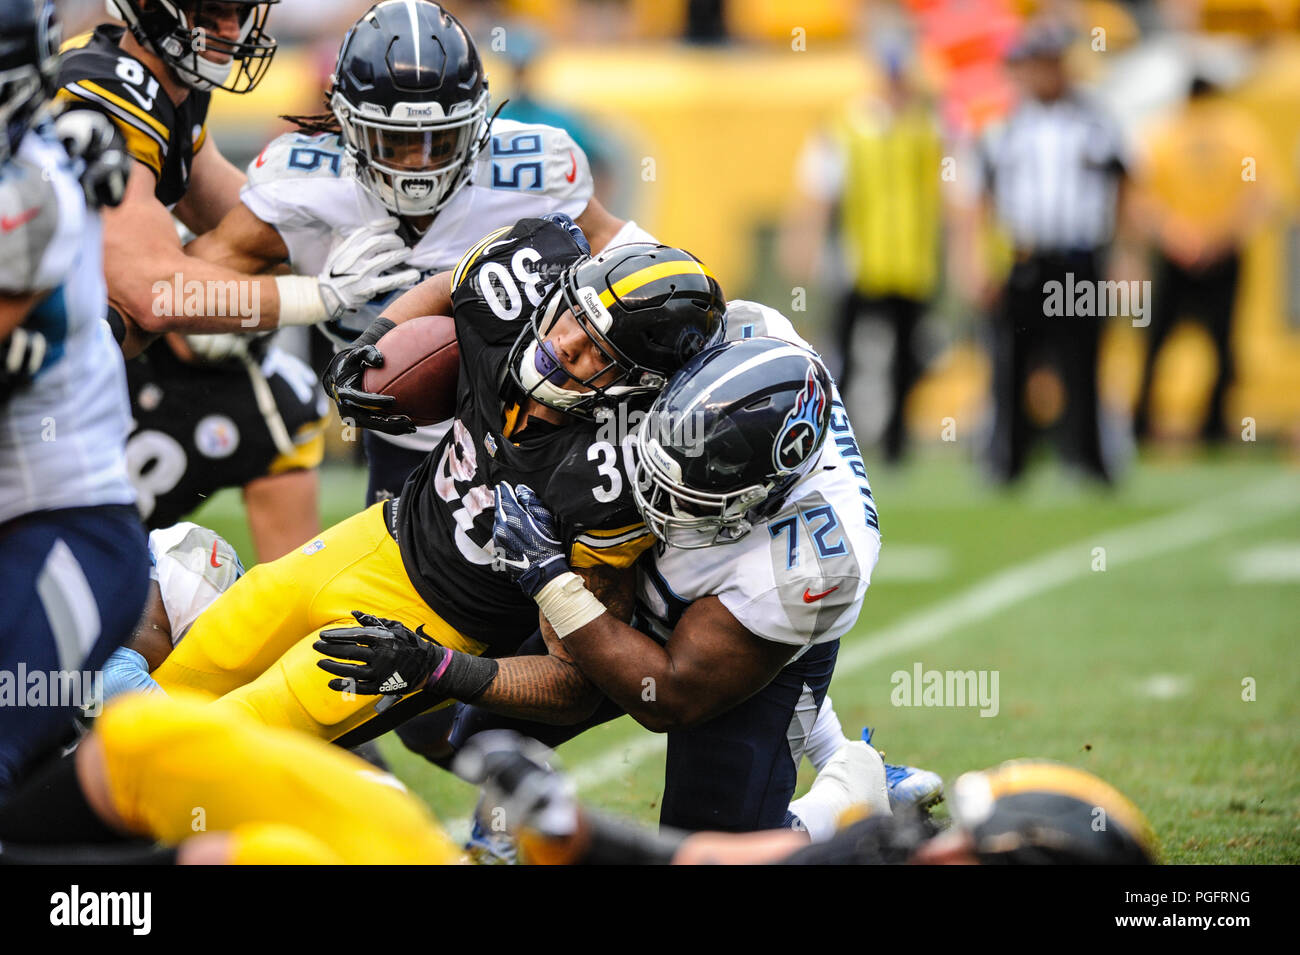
(251,651)
(176,768)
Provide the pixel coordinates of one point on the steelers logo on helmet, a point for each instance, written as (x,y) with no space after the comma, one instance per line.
(646,309)
(801,433)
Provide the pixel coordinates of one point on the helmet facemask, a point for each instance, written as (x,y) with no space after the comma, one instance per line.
(538,371)
(186,35)
(416,160)
(682,516)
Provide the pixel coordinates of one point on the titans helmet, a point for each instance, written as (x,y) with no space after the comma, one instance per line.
(29,46)
(192,38)
(727,440)
(648,308)
(411,98)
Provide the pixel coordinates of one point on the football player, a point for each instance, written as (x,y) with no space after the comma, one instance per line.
(252,419)
(1023,812)
(160,769)
(190,566)
(547,335)
(73,564)
(750,474)
(407,136)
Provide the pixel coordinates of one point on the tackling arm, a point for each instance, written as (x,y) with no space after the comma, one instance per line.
(142,251)
(709,664)
(240,241)
(552,689)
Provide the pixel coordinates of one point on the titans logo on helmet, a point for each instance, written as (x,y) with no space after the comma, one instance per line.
(802,427)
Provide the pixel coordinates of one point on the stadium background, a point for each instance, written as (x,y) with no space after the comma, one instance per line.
(696,115)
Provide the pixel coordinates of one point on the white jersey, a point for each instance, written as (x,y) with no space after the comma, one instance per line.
(306,187)
(798,578)
(62,436)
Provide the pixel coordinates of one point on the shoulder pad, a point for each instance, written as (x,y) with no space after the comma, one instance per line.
(534,159)
(127,92)
(752,320)
(590,492)
(555,250)
(29,220)
(298,156)
(819,574)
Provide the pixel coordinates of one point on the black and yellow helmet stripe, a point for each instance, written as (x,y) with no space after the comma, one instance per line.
(1035,776)
(650,274)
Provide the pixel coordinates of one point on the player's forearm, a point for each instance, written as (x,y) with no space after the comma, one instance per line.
(540,688)
(430,297)
(161,289)
(632,670)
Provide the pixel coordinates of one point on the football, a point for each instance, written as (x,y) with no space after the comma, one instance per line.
(420,370)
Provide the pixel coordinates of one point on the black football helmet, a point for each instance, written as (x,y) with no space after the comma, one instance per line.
(648,308)
(29,47)
(727,440)
(1038,812)
(411,97)
(190,37)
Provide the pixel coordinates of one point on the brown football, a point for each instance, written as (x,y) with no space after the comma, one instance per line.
(420,370)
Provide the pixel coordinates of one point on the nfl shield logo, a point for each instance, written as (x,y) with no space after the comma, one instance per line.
(490,443)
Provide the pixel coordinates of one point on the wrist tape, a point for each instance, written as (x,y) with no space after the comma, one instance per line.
(300,300)
(568,604)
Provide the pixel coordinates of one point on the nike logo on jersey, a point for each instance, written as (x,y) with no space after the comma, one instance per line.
(213,560)
(145,102)
(810,597)
(261,158)
(572,174)
(8,224)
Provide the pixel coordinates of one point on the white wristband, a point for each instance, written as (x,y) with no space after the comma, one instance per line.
(568,604)
(300,300)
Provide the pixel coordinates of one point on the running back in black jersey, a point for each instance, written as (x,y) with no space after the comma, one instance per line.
(444,515)
(95,73)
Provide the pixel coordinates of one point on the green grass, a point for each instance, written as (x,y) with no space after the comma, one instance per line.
(1219,777)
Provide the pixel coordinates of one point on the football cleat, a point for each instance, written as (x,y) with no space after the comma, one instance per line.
(909,787)
(491,848)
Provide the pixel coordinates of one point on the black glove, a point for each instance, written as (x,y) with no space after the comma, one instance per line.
(390,658)
(93,138)
(565,221)
(21,357)
(342,382)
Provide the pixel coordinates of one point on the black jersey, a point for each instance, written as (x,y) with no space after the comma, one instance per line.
(95,73)
(444,515)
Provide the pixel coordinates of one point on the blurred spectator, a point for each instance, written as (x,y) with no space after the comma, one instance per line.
(524,44)
(1203,202)
(876,174)
(1053,175)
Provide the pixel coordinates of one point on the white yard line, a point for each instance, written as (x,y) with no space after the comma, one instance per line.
(1124,545)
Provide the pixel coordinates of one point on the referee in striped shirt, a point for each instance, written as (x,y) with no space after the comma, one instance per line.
(1052,176)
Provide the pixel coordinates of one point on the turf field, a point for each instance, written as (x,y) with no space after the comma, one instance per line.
(1174,672)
